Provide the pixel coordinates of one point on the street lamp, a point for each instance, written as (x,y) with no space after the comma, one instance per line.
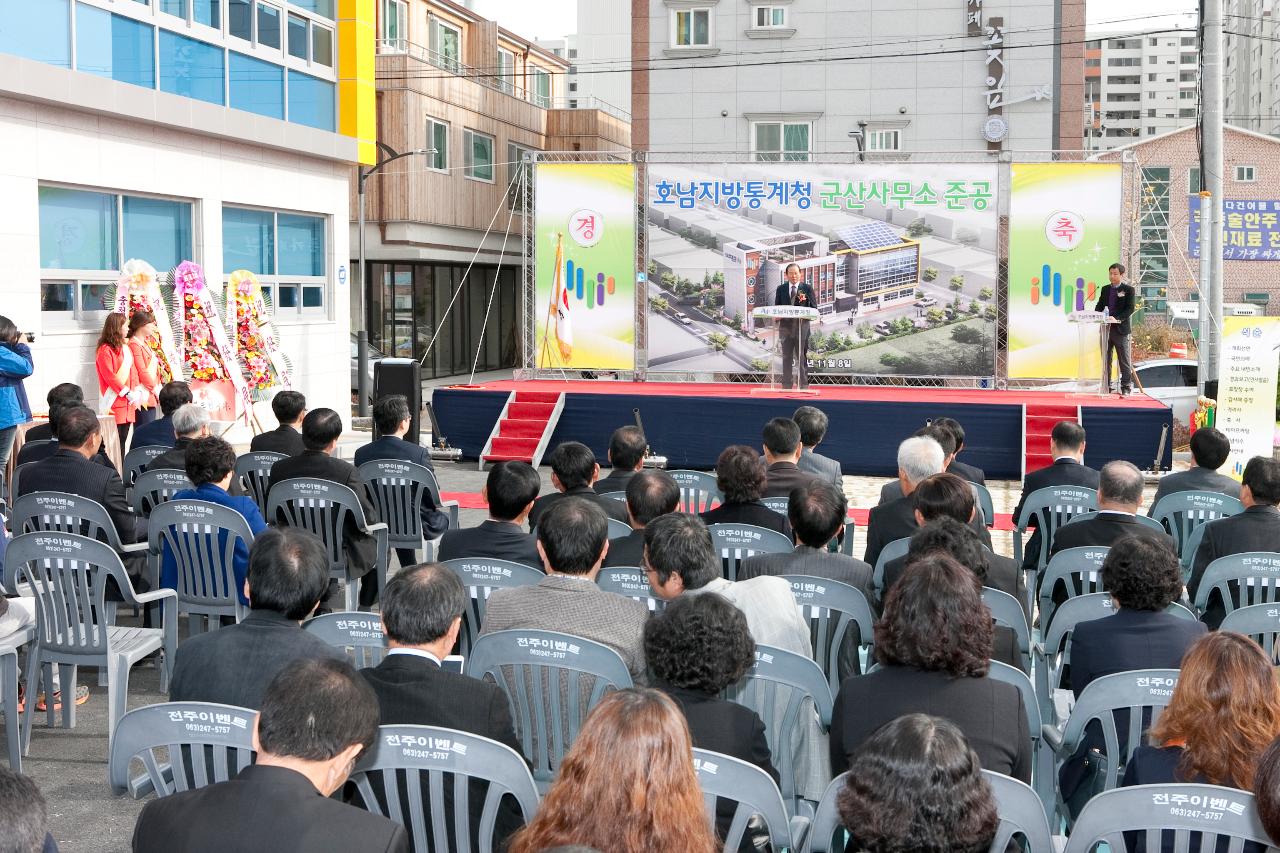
(362,335)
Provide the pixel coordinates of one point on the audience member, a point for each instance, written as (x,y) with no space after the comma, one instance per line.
(916,785)
(782,451)
(626,457)
(1255,529)
(16,365)
(160,432)
(572,541)
(1066,444)
(892,490)
(509,490)
(741,478)
(1266,790)
(918,457)
(961,469)
(812,422)
(289,407)
(190,422)
(60,398)
(1209,452)
(62,394)
(649,495)
(934,647)
(573,471)
(1120,487)
(24,817)
(631,764)
(317,718)
(288,573)
(321,429)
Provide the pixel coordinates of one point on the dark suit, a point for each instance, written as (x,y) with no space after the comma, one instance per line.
(434,522)
(793,335)
(755,513)
(1002,575)
(1255,529)
(967,472)
(822,467)
(897,520)
(1195,479)
(39,432)
(157,433)
(785,476)
(626,550)
(1121,301)
(612,508)
(234,664)
(262,810)
(175,459)
(1104,530)
(1064,471)
(283,439)
(68,471)
(500,540)
(616,482)
(38,452)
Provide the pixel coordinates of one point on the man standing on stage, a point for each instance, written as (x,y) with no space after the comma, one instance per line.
(1119,300)
(793,335)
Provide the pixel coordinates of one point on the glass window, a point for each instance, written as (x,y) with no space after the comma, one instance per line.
(446,45)
(115,47)
(768,141)
(287,296)
(39,31)
(158,231)
(322,45)
(174,7)
(771,16)
(479,154)
(1193,180)
(517,186)
(240,19)
(692,27)
(782,141)
(506,70)
(541,87)
(297,36)
(268,25)
(301,244)
(1244,174)
(77,230)
(884,140)
(256,86)
(313,296)
(438,138)
(248,241)
(311,101)
(393,25)
(323,8)
(57,296)
(191,68)
(209,13)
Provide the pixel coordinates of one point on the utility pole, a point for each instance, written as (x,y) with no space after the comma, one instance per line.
(1211,101)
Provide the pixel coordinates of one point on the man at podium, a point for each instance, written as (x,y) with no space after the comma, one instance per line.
(1118,299)
(793,335)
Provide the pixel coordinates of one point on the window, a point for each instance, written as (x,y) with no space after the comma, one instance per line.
(78,230)
(1188,41)
(322,45)
(478,150)
(573,87)
(884,140)
(39,31)
(191,68)
(1245,174)
(519,175)
(540,87)
(240,19)
(287,251)
(114,47)
(1188,59)
(323,8)
(298,40)
(775,141)
(1193,180)
(393,26)
(268,25)
(1188,113)
(506,71)
(1151,60)
(1151,113)
(256,86)
(446,45)
(573,53)
(311,101)
(177,8)
(1151,78)
(157,230)
(691,28)
(209,13)
(1151,131)
(438,138)
(771,16)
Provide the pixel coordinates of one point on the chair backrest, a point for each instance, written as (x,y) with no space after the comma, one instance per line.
(481,576)
(1007,611)
(397,490)
(699,492)
(735,542)
(1182,512)
(1241,580)
(415,765)
(1021,815)
(12,485)
(1143,520)
(201,537)
(1051,508)
(1259,621)
(778,505)
(320,506)
(205,743)
(1223,818)
(1079,570)
(985,505)
(631,582)
(846,543)
(618,529)
(138,458)
(552,680)
(253,470)
(63,513)
(1188,553)
(831,608)
(827,834)
(617,496)
(1031,707)
(357,635)
(154,487)
(721,776)
(895,549)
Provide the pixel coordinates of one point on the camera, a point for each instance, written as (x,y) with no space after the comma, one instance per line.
(30,336)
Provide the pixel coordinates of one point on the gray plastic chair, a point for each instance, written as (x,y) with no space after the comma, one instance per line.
(1021,815)
(139,458)
(1079,570)
(1219,816)
(895,549)
(778,505)
(156,486)
(68,575)
(982,495)
(846,544)
(66,513)
(9,696)
(355,633)
(203,743)
(11,488)
(735,542)
(699,492)
(323,507)
(253,470)
(831,608)
(481,576)
(631,582)
(552,681)
(202,538)
(721,776)
(1189,550)
(1042,777)
(1007,611)
(827,834)
(617,496)
(1051,508)
(619,529)
(418,762)
(398,489)
(1241,580)
(1181,513)
(1259,621)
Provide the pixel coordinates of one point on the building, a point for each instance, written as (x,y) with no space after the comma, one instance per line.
(444,226)
(599,54)
(1140,86)
(170,130)
(1251,92)
(785,80)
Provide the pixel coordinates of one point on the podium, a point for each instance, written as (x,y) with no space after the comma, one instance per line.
(780,314)
(1091,332)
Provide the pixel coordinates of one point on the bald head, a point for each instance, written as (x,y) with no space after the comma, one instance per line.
(1120,487)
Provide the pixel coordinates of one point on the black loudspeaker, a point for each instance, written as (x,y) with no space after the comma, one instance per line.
(400,376)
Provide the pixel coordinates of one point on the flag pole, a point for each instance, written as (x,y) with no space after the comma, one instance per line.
(556,286)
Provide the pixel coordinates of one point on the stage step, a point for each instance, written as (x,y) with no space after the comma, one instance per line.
(1038,421)
(523,429)
(549,397)
(529,411)
(516,428)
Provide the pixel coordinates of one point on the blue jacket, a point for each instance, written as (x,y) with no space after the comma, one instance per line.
(216,495)
(15,365)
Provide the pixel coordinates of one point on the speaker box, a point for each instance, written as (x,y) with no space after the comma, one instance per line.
(401,376)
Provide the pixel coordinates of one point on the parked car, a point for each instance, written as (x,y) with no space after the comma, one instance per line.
(1172,381)
(926,302)
(884,327)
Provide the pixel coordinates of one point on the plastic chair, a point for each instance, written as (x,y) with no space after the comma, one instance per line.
(323,508)
(617,496)
(831,608)
(846,544)
(417,764)
(139,458)
(481,576)
(12,486)
(778,505)
(631,582)
(982,495)
(1007,611)
(1042,778)
(398,490)
(827,834)
(619,529)
(68,575)
(1021,815)
(895,549)
(699,492)
(201,537)
(61,512)
(355,633)
(552,680)
(1259,621)
(1241,580)
(1079,570)
(1181,513)
(736,542)
(205,743)
(1223,818)
(156,486)
(721,776)
(1188,555)
(1050,508)
(1150,523)
(253,470)
(9,697)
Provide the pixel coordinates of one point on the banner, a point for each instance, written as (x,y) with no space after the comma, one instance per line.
(1250,230)
(902,258)
(1247,387)
(585,272)
(1064,231)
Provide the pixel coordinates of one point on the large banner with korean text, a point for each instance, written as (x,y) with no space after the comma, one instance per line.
(902,258)
(1247,388)
(1250,229)
(1064,232)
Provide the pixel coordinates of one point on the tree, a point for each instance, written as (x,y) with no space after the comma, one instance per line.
(835,342)
(989,312)
(815,342)
(974,307)
(736,321)
(919,228)
(717,279)
(963,334)
(657,303)
(902,325)
(929,274)
(761,365)
(864,331)
(957,282)
(985,294)
(719,341)
(653,268)
(934,316)
(668,279)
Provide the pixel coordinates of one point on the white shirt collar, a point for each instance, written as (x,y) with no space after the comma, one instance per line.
(1067,456)
(402,650)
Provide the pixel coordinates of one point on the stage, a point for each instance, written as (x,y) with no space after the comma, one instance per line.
(690,423)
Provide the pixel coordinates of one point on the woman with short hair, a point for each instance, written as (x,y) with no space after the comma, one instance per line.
(741,477)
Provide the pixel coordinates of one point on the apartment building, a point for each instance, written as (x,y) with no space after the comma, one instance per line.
(599,53)
(1140,86)
(1251,91)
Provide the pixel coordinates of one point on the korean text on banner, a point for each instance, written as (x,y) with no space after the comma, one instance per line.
(1250,229)
(1247,387)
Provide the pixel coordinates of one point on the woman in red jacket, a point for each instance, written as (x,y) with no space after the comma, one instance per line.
(142,325)
(117,375)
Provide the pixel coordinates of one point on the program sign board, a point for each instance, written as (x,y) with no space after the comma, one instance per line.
(1247,388)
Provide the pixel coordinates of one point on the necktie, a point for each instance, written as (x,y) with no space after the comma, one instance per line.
(793,294)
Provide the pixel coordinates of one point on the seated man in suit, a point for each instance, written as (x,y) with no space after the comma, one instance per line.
(1120,487)
(1209,450)
(321,429)
(60,398)
(573,473)
(62,394)
(1255,529)
(1066,443)
(781,452)
(919,457)
(160,432)
(813,429)
(960,469)
(573,539)
(289,407)
(392,418)
(626,456)
(649,495)
(421,616)
(190,422)
(509,490)
(946,439)
(317,717)
(288,575)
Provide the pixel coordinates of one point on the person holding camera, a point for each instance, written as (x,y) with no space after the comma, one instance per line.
(15,365)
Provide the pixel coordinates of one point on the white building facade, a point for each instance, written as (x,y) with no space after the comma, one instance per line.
(1251,91)
(1146,85)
